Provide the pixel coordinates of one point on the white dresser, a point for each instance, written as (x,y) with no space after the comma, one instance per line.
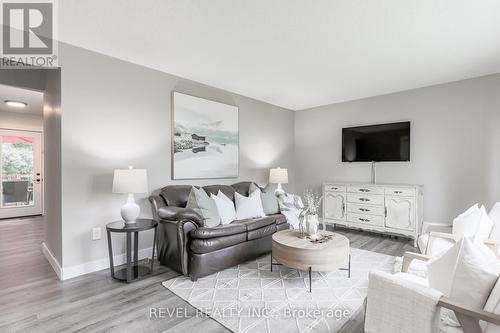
(390,209)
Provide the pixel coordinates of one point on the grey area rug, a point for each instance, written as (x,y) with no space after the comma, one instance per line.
(251,298)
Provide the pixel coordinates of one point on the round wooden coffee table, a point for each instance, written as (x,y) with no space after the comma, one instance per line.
(329,253)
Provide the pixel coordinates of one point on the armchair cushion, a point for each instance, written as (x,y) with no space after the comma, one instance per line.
(390,306)
(474,221)
(494,216)
(493,305)
(464,274)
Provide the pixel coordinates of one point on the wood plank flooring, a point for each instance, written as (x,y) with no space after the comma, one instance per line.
(32,299)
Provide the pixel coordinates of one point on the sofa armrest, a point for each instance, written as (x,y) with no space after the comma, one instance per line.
(408,257)
(157,202)
(171,213)
(184,229)
(428,227)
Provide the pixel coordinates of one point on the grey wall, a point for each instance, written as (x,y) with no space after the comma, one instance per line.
(117,114)
(451,126)
(492,174)
(52,163)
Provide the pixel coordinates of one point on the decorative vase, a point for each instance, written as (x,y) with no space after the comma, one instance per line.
(312,226)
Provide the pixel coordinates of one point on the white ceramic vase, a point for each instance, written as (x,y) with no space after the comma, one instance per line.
(312,226)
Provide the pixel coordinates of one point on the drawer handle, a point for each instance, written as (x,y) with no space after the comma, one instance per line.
(398,192)
(364,199)
(364,209)
(363,220)
(365,190)
(334,188)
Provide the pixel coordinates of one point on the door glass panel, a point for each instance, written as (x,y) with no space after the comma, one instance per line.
(17,171)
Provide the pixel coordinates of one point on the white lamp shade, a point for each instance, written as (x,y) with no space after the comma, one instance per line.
(130,181)
(278,176)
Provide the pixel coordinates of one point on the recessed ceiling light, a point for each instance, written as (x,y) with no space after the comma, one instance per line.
(16,104)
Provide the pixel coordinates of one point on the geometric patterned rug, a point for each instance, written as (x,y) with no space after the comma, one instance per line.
(249,298)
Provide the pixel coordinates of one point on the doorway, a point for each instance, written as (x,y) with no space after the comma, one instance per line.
(20,173)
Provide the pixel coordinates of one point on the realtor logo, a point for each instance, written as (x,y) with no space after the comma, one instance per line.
(28,34)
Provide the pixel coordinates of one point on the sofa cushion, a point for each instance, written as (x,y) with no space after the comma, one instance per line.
(219,231)
(226,189)
(253,224)
(176,195)
(261,232)
(279,218)
(206,245)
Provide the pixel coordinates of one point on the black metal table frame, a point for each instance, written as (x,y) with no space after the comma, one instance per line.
(348,269)
(135,265)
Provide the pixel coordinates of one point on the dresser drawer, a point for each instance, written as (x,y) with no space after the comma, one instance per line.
(400,191)
(365,219)
(365,189)
(365,199)
(334,188)
(365,209)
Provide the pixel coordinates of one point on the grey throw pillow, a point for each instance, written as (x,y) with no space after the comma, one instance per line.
(201,203)
(268,197)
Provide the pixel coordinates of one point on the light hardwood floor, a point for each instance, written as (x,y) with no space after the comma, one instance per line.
(32,299)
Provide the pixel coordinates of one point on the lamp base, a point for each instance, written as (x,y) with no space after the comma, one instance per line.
(279,190)
(130,210)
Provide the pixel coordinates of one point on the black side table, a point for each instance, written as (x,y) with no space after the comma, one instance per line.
(135,271)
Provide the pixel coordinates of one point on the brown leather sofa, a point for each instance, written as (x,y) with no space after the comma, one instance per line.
(188,247)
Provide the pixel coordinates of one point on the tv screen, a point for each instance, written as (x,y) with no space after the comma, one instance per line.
(378,143)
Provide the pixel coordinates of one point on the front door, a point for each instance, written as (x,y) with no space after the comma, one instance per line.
(20,173)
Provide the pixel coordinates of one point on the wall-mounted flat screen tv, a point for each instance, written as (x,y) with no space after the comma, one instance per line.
(376,143)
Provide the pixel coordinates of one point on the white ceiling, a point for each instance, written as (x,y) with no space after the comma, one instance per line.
(295,53)
(32,97)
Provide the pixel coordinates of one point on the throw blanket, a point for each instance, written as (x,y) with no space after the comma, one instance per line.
(291,206)
(396,305)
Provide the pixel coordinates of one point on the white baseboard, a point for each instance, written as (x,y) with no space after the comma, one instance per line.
(100,264)
(52,260)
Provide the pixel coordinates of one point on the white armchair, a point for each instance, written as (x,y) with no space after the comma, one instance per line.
(437,237)
(404,303)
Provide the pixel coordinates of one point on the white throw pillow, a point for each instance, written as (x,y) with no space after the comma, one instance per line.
(249,207)
(485,225)
(467,223)
(494,216)
(466,274)
(225,207)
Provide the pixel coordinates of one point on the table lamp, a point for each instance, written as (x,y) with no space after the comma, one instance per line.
(278,176)
(130,181)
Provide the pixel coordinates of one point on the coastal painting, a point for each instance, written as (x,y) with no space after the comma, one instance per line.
(205,138)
